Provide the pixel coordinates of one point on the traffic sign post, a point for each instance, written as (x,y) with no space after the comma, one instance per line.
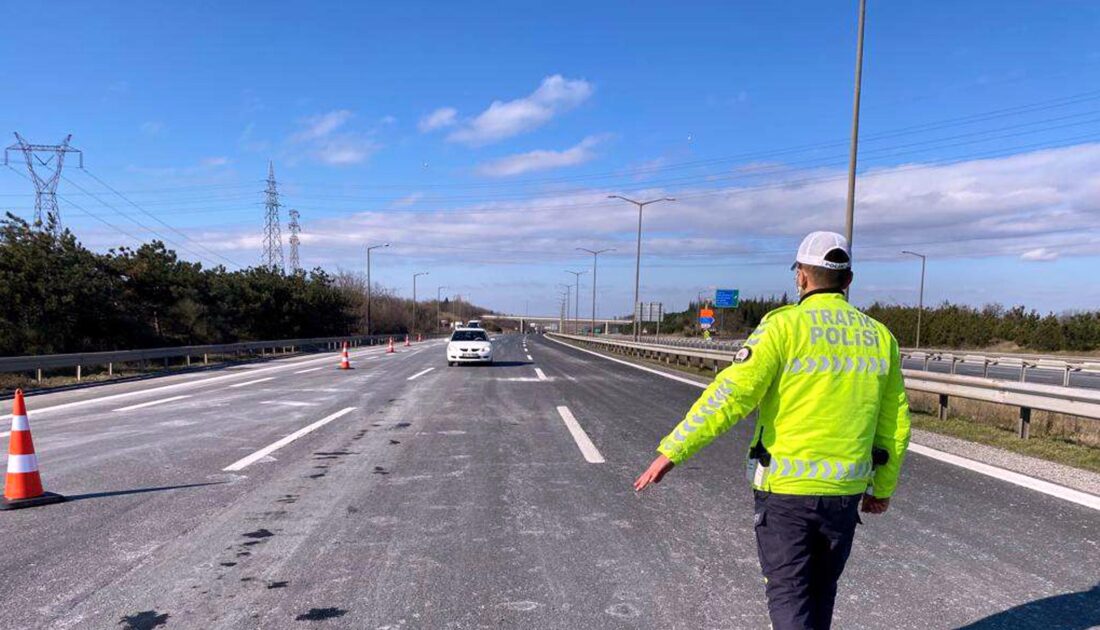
(727,298)
(706,318)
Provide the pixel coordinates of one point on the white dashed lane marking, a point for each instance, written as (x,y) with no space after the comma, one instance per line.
(588,449)
(259,380)
(420,373)
(271,448)
(154,402)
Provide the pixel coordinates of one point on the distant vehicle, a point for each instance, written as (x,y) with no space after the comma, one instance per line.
(469,345)
(473,323)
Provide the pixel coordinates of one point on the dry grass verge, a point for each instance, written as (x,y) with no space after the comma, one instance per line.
(66,377)
(1044,424)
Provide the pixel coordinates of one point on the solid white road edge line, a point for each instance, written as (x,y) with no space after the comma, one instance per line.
(588,449)
(271,448)
(633,365)
(259,380)
(420,373)
(1025,481)
(198,383)
(541,375)
(154,402)
(1038,485)
(321,367)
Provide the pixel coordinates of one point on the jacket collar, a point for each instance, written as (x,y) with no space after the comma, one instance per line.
(834,292)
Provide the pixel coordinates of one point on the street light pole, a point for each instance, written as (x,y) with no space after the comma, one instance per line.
(920,296)
(638,256)
(438,312)
(421,273)
(369,288)
(850,216)
(595,255)
(577,301)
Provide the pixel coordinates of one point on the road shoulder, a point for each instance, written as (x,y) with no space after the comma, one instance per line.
(1068,476)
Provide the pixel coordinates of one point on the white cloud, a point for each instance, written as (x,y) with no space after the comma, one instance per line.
(1030,206)
(322,125)
(1041,254)
(215,161)
(408,200)
(153,127)
(442,117)
(540,160)
(501,120)
(345,149)
(322,139)
(249,143)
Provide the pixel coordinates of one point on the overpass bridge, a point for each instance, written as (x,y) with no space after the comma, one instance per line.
(564,324)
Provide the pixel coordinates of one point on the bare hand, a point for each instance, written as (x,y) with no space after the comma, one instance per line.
(654,473)
(871,505)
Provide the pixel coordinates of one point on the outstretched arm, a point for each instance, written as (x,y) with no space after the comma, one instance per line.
(733,395)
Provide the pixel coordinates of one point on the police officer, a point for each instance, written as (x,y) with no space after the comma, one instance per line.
(833,428)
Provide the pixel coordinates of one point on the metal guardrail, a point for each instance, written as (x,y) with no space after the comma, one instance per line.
(38,363)
(1084,403)
(1067,365)
(1022,362)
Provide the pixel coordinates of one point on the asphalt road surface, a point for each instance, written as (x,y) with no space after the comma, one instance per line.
(406,494)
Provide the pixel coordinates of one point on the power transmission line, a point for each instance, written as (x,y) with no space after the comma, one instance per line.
(85,211)
(153,217)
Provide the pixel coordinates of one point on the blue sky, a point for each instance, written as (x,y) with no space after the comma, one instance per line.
(483,140)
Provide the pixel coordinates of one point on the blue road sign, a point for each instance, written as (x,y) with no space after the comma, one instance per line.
(727,298)
(706,320)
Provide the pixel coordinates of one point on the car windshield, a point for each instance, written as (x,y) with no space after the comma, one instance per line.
(469,335)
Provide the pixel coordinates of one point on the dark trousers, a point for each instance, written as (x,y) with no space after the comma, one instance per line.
(803,544)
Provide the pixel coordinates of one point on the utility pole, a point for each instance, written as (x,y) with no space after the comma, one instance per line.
(850,216)
(595,255)
(920,297)
(370,330)
(415,275)
(273,239)
(577,301)
(638,257)
(438,312)
(45,176)
(295,229)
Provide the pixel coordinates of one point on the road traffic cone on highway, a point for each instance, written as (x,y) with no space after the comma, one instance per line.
(23,486)
(345,361)
(407,344)
(389,349)
(419,338)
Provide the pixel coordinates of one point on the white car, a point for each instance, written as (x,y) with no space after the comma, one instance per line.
(469,345)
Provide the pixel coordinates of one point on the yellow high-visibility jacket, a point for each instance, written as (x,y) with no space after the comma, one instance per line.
(827,379)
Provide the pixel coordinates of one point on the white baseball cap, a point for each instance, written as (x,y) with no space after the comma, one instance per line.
(817,245)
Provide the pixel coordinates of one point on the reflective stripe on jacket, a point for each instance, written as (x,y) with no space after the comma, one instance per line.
(828,382)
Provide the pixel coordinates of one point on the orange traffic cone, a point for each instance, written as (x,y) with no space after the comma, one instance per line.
(345,361)
(407,344)
(23,487)
(419,338)
(390,350)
